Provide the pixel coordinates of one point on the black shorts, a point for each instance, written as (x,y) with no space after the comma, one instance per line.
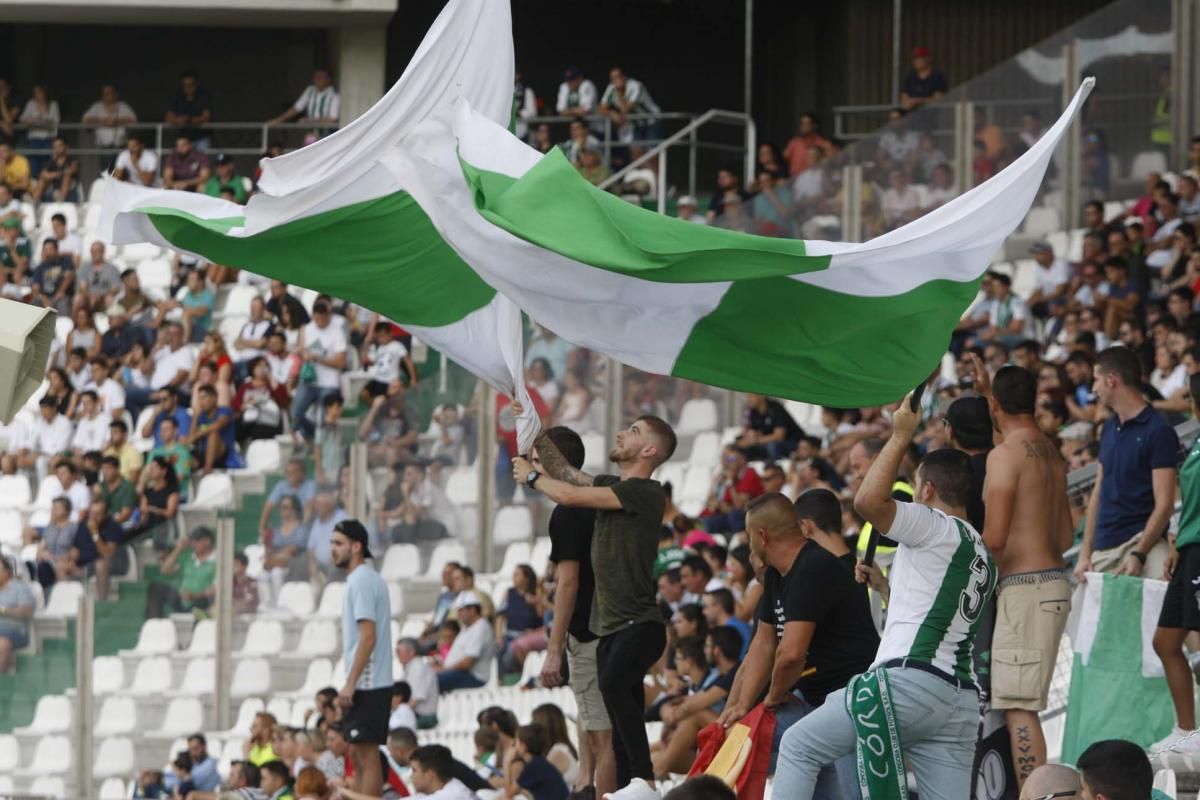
(375,388)
(1181,605)
(366,720)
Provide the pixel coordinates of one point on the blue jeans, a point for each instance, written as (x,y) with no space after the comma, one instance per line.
(457,679)
(837,781)
(308,395)
(938,725)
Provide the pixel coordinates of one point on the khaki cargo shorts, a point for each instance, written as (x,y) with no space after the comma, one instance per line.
(1031,613)
(585,683)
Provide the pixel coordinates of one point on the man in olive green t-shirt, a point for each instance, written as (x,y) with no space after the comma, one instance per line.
(625,615)
(1181,605)
(197,576)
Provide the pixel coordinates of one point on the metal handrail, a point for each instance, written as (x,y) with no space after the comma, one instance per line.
(688,131)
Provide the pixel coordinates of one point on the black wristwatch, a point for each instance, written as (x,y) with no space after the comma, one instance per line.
(532,477)
(1139,556)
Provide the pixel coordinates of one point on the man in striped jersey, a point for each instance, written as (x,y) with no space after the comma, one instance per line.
(319,102)
(941,579)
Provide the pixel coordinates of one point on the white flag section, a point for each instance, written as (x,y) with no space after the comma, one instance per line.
(332,219)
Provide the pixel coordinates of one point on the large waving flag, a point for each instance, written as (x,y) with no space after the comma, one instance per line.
(429,211)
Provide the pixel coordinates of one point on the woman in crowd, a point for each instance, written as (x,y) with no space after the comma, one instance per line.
(84,334)
(283,557)
(574,403)
(562,754)
(311,784)
(520,619)
(742,579)
(258,404)
(540,376)
(60,390)
(159,503)
(213,367)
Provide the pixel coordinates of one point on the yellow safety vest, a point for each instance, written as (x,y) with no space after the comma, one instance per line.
(1160,130)
(864,536)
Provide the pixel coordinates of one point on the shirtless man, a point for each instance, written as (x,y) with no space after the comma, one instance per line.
(1027,528)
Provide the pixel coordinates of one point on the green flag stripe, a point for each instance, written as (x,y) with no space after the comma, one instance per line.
(833,345)
(363,252)
(601,230)
(945,605)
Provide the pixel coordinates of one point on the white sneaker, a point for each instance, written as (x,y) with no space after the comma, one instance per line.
(637,789)
(1189,744)
(1165,743)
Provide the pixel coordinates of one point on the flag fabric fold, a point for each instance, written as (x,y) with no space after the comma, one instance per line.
(428,210)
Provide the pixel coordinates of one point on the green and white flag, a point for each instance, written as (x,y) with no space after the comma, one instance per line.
(1118,690)
(429,211)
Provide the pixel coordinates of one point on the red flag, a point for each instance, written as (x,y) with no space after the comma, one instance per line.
(740,756)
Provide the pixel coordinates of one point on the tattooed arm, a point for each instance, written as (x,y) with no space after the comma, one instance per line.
(567,494)
(555,465)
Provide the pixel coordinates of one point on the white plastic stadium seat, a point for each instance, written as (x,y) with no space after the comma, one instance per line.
(297,597)
(1042,221)
(595,454)
(401,561)
(280,708)
(330,606)
(515,554)
(152,676)
(112,789)
(204,639)
(64,600)
(11,529)
(251,677)
(442,554)
(108,675)
(395,600)
(540,554)
(462,486)
(1146,162)
(184,716)
(51,715)
(15,491)
(48,786)
(117,716)
(157,637)
(154,274)
(319,638)
(52,757)
(264,455)
(238,301)
(114,757)
(140,251)
(264,638)
(199,678)
(9,753)
(245,716)
(706,450)
(698,414)
(320,670)
(513,524)
(216,489)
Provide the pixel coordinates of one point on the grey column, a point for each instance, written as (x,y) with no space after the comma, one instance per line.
(223,619)
(360,71)
(487,477)
(83,720)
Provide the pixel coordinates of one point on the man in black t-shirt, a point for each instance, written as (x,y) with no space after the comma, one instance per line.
(570,550)
(768,431)
(625,614)
(815,631)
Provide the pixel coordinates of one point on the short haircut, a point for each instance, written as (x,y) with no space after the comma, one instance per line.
(659,428)
(113,461)
(535,738)
(466,571)
(1117,769)
(198,737)
(206,389)
(1015,390)
(402,690)
(697,564)
(691,648)
(724,598)
(320,307)
(59,218)
(1123,363)
(727,641)
(672,575)
(486,740)
(822,507)
(1116,262)
(1079,357)
(183,762)
(569,443)
(502,718)
(951,473)
(333,399)
(702,787)
(48,402)
(328,694)
(409,641)
(773,508)
(250,773)
(241,558)
(872,447)
(436,758)
(278,769)
(402,737)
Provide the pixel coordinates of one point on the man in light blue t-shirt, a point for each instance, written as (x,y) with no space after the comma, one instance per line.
(366,699)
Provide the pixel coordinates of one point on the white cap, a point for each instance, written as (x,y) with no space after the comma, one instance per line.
(686,200)
(467,597)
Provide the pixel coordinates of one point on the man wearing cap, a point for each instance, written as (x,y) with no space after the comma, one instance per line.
(1028,527)
(468,663)
(366,698)
(924,84)
(1051,280)
(687,210)
(198,576)
(576,95)
(226,178)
